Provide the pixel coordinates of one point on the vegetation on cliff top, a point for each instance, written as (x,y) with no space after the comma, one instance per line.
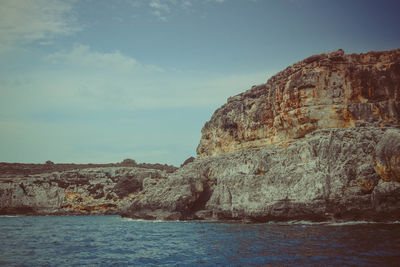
(18,169)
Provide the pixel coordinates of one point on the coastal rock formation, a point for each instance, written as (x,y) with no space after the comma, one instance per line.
(323,91)
(319,141)
(85,191)
(329,174)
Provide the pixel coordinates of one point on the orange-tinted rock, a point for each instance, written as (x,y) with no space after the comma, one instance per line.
(323,91)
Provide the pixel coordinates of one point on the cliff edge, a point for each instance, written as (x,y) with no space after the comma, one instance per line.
(323,91)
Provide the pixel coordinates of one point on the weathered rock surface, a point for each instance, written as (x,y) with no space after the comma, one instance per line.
(328,174)
(319,141)
(323,91)
(388,157)
(85,191)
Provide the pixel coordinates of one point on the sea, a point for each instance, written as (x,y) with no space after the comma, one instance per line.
(116,241)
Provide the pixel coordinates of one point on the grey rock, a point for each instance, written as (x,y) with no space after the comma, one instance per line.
(86,191)
(327,175)
(387,160)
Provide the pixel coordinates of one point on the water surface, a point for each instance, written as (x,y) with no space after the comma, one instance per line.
(111,240)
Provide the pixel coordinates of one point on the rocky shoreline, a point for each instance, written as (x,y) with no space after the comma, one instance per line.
(324,177)
(104,190)
(320,141)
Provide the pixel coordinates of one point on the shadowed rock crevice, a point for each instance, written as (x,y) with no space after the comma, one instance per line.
(201,201)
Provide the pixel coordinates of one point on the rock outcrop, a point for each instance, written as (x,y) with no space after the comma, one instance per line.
(319,141)
(329,174)
(83,192)
(323,91)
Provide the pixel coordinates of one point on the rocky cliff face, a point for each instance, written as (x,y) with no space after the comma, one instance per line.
(85,191)
(319,141)
(330,174)
(323,91)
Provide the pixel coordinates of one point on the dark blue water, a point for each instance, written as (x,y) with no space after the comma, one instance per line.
(114,241)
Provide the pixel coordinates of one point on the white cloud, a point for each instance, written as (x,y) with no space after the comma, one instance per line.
(164,9)
(160,8)
(157,4)
(25,21)
(83,56)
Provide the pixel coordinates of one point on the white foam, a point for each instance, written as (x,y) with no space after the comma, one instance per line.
(331,223)
(295,222)
(302,222)
(142,220)
(360,222)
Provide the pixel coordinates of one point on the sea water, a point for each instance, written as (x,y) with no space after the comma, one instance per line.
(116,241)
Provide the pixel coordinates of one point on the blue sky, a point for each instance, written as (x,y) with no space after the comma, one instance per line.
(100,81)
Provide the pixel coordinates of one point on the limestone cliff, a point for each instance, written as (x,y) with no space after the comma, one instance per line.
(323,91)
(330,174)
(319,141)
(85,191)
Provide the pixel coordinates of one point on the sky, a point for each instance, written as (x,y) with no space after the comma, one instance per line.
(98,81)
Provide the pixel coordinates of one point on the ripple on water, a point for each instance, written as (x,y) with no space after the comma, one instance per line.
(111,240)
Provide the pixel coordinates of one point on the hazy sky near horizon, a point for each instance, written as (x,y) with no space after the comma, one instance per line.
(100,81)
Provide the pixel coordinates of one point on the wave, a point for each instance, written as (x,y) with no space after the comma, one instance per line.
(301,222)
(142,220)
(360,222)
(332,223)
(294,222)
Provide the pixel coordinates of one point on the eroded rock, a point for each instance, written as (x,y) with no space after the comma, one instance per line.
(324,91)
(387,161)
(327,175)
(86,191)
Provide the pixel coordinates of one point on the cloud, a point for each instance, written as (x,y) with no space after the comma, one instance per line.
(83,56)
(90,79)
(82,78)
(25,21)
(86,105)
(156,4)
(186,4)
(163,9)
(160,9)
